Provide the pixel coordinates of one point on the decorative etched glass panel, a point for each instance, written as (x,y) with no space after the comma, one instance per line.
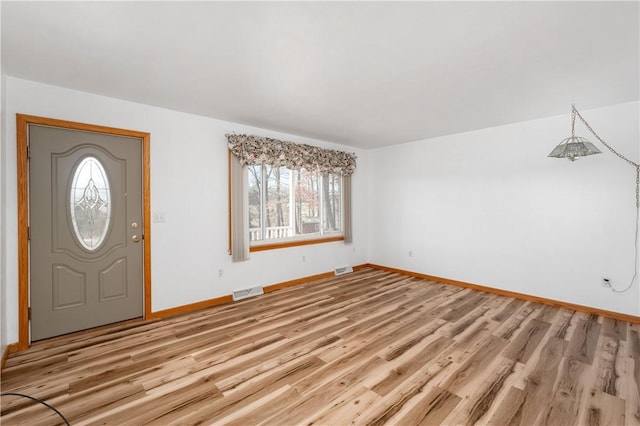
(90,203)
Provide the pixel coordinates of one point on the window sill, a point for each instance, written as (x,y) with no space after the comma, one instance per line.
(274,246)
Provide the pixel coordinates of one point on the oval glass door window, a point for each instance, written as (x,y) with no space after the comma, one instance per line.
(90,203)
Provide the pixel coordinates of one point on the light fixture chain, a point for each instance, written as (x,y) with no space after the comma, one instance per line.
(602,141)
(635,165)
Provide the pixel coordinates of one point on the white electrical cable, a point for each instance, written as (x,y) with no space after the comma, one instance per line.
(635,259)
(637,167)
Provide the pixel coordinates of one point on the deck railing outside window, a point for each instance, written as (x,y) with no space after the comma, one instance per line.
(273,232)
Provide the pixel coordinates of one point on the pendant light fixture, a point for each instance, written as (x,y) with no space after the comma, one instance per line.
(575,147)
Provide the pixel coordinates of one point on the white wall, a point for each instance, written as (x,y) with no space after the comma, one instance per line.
(3,140)
(3,241)
(188,185)
(488,207)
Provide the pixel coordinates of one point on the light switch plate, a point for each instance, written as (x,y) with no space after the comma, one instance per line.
(158,217)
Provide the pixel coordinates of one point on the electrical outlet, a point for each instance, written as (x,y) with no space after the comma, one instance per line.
(220,273)
(410,253)
(304,258)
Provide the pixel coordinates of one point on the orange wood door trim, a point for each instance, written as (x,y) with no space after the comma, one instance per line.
(22,123)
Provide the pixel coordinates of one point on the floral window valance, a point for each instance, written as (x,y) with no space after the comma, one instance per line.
(257,150)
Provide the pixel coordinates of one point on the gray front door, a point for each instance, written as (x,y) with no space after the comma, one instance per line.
(85,214)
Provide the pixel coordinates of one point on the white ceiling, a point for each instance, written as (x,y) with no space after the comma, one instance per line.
(358,73)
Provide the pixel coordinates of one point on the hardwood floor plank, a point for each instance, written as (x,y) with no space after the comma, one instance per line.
(19,372)
(603,409)
(256,412)
(324,396)
(565,404)
(563,325)
(231,376)
(406,369)
(508,310)
(80,342)
(539,384)
(386,407)
(614,328)
(480,399)
(249,393)
(402,345)
(633,386)
(117,372)
(432,409)
(466,321)
(547,313)
(372,336)
(463,305)
(151,408)
(609,366)
(584,340)
(515,322)
(370,347)
(348,408)
(527,341)
(510,410)
(464,379)
(357,353)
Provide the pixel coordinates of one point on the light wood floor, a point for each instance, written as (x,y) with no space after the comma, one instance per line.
(371,347)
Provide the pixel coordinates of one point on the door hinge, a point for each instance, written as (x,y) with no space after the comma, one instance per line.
(29,314)
(29,233)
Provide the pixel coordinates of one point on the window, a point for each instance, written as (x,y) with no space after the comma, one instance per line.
(292,204)
(283,194)
(90,204)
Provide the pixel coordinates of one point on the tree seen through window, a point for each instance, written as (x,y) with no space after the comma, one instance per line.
(285,203)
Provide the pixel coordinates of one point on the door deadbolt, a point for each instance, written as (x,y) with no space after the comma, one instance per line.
(134,225)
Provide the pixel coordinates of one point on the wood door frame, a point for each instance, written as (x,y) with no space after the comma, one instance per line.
(22,124)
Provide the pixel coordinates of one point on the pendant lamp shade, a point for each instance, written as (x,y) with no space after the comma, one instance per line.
(573,148)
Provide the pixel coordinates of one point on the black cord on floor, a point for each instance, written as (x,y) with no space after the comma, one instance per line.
(41,402)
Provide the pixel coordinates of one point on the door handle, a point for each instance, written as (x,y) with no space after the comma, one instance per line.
(135,238)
